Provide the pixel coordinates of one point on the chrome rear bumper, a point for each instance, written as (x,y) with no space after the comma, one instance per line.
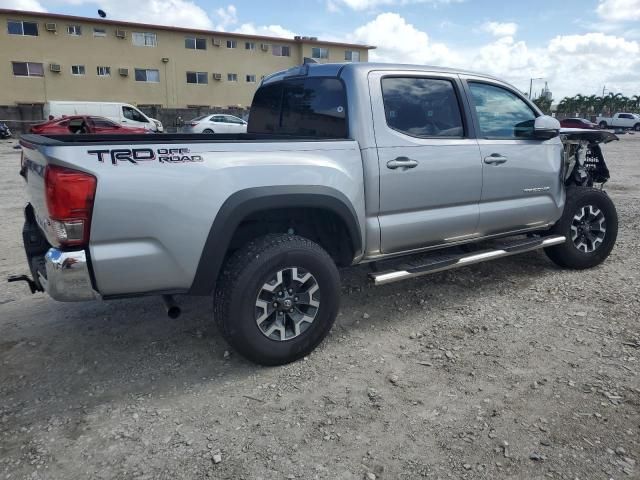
(68,278)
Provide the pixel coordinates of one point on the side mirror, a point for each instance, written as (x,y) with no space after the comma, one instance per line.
(546,127)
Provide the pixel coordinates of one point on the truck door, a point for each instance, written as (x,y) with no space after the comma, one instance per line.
(521,184)
(429,162)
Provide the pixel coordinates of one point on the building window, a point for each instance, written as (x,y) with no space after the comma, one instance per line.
(281,51)
(318,52)
(351,56)
(74,30)
(99,32)
(249,46)
(251,79)
(193,43)
(147,75)
(144,39)
(199,78)
(104,71)
(232,44)
(18,27)
(232,77)
(27,69)
(77,69)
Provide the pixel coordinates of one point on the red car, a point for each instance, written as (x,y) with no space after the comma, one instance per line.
(578,123)
(83,124)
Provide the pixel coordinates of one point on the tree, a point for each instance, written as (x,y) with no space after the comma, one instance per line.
(544,104)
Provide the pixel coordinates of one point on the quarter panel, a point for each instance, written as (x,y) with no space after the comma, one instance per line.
(151,219)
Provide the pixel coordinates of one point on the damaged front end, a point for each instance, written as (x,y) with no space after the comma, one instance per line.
(584,163)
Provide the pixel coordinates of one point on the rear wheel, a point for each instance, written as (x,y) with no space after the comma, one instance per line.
(208,130)
(603,125)
(277,298)
(590,224)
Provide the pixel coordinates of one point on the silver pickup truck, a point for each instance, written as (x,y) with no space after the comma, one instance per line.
(342,165)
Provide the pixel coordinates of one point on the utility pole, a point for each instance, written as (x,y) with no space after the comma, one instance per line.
(531,84)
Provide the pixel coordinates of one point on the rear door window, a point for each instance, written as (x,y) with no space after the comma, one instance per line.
(422,107)
(303,106)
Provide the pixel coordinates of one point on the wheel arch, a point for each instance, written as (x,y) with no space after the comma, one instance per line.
(251,201)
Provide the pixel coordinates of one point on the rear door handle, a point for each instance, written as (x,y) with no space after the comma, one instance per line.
(402,162)
(495,159)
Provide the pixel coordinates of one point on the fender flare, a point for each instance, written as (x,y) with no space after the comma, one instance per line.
(252,200)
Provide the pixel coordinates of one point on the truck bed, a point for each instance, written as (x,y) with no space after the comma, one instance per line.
(168,138)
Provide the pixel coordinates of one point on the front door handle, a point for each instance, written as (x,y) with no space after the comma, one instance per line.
(402,162)
(495,159)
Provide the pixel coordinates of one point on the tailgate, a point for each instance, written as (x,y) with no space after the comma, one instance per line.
(33,166)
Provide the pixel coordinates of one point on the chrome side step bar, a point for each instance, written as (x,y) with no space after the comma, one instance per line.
(441,264)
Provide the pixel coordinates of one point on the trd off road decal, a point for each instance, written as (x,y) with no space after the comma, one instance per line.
(137,155)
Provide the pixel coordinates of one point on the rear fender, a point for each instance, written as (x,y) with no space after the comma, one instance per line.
(252,200)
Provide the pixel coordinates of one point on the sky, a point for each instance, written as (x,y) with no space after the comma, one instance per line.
(577,46)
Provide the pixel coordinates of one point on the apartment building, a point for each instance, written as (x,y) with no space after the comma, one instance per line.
(60,57)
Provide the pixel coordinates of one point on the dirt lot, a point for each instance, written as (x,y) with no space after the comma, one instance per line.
(511,369)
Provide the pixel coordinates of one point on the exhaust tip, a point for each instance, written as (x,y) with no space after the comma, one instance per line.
(170,305)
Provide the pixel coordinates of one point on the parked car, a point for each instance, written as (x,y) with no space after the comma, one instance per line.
(120,113)
(620,120)
(216,123)
(343,164)
(4,130)
(83,124)
(578,123)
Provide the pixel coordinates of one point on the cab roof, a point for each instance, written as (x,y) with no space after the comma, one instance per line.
(337,69)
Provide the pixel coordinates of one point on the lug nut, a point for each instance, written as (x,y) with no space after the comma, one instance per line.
(295,298)
(290,291)
(275,304)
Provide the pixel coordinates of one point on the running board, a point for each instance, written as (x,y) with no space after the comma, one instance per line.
(449,262)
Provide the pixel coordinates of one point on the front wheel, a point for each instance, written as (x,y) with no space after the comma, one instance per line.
(636,127)
(590,224)
(277,298)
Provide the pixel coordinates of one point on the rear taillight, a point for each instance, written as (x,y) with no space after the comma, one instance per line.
(193,124)
(69,195)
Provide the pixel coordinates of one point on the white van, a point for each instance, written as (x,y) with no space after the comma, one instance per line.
(122,113)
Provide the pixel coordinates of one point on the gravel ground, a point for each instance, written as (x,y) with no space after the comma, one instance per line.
(508,369)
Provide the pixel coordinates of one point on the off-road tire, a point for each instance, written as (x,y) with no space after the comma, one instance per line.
(243,278)
(568,255)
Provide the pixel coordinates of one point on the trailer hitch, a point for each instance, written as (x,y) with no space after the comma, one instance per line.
(33,286)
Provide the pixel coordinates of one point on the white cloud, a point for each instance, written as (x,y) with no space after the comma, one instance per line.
(178,13)
(334,5)
(619,10)
(399,41)
(266,30)
(498,29)
(569,63)
(226,16)
(29,5)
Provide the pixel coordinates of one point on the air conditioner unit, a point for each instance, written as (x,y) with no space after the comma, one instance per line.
(313,39)
(54,67)
(50,27)
(297,37)
(121,33)
(216,42)
(264,47)
(123,72)
(217,76)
